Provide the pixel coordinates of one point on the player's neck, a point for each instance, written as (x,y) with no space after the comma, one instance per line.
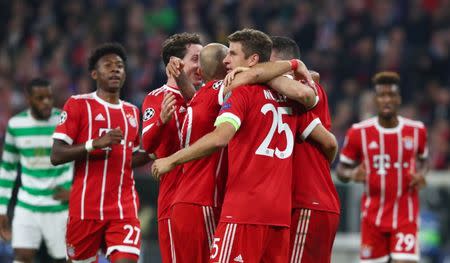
(390,122)
(110,97)
(36,116)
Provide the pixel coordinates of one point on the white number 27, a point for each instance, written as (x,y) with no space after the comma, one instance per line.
(131,230)
(281,127)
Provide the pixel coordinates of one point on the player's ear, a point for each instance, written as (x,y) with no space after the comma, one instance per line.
(94,74)
(253,60)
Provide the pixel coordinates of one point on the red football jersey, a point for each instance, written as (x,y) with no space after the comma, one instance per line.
(163,140)
(202,180)
(103,184)
(389,157)
(259,183)
(312,182)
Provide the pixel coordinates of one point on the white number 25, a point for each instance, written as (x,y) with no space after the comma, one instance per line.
(281,127)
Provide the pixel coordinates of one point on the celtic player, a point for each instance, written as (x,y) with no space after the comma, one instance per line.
(41,210)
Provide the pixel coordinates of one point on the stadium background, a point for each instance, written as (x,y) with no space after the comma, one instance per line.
(346,41)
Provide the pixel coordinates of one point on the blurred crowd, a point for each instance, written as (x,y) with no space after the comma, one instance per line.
(346,41)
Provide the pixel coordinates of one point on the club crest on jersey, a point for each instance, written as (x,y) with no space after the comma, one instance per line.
(63,117)
(132,120)
(217,85)
(408,142)
(70,250)
(148,114)
(182,109)
(366,251)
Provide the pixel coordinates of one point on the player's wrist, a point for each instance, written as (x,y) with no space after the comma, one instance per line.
(294,64)
(89,145)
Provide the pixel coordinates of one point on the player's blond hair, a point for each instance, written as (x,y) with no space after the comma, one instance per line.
(386,78)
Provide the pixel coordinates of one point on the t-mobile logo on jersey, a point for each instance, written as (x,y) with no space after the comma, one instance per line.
(381,162)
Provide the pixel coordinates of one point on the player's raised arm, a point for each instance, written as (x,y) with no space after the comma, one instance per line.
(265,72)
(205,146)
(295,90)
(175,70)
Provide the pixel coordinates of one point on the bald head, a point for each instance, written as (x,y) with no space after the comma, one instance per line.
(211,64)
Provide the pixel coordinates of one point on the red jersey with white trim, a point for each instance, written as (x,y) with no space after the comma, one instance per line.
(103,184)
(259,183)
(389,157)
(163,140)
(202,181)
(312,182)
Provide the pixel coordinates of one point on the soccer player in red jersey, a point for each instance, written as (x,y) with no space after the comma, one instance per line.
(388,154)
(258,125)
(315,203)
(163,114)
(100,133)
(199,193)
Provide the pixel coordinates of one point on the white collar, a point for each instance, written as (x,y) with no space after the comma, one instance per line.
(390,130)
(172,89)
(107,104)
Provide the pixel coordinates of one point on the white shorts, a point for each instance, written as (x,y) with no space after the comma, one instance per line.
(29,228)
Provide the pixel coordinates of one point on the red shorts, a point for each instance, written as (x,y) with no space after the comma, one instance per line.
(312,235)
(120,238)
(193,229)
(165,241)
(250,244)
(399,244)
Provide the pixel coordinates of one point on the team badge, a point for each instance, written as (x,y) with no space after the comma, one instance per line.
(132,120)
(70,250)
(63,117)
(148,114)
(366,251)
(182,109)
(408,142)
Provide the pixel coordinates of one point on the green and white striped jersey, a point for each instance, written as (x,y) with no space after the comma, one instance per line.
(28,142)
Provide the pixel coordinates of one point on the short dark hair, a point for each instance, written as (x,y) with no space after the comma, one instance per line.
(176,45)
(386,78)
(105,49)
(253,42)
(285,47)
(36,82)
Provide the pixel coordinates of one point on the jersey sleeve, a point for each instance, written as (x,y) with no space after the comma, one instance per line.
(69,123)
(351,150)
(422,149)
(306,124)
(8,170)
(234,109)
(151,124)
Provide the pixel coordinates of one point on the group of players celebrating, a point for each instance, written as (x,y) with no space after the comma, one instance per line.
(243,152)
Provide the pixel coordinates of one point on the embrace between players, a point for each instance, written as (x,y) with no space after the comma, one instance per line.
(243,162)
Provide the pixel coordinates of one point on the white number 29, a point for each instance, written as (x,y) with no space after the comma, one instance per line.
(281,127)
(131,230)
(408,241)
